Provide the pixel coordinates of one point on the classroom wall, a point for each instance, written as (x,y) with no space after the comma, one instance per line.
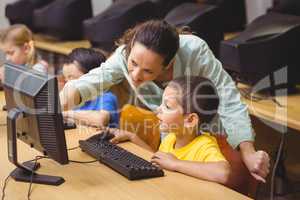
(99,6)
(3,20)
(255,8)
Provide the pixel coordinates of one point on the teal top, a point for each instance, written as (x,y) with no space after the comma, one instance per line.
(193,58)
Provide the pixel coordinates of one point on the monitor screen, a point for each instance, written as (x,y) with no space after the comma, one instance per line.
(36,96)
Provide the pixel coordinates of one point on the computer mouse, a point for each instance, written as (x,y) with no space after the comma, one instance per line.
(69,125)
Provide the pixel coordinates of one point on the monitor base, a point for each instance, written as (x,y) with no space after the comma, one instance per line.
(27,176)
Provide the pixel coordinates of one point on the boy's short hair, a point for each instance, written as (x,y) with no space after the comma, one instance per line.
(88,59)
(198,95)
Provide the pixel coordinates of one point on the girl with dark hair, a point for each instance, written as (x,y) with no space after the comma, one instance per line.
(100,111)
(152,54)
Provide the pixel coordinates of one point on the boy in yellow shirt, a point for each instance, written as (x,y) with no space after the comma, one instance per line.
(188,105)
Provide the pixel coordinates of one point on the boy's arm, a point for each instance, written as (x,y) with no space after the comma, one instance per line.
(122,135)
(212,171)
(89,117)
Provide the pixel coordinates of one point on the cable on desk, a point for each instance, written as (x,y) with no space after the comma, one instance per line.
(31,178)
(30,185)
(32,172)
(73,148)
(38,158)
(4,187)
(83,162)
(275,165)
(247,94)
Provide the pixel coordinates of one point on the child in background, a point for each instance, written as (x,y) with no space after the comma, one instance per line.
(18,46)
(101,111)
(189,104)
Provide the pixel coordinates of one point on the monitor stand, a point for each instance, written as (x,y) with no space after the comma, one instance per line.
(24,172)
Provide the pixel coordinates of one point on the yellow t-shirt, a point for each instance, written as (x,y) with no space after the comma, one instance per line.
(203,148)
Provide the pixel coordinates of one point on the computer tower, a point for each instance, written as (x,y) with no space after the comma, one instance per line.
(103,29)
(268,50)
(63,18)
(21,12)
(165,6)
(291,7)
(233,13)
(203,20)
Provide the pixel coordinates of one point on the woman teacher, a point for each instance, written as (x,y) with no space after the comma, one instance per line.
(149,56)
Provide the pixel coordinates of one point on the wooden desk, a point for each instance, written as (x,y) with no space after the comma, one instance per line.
(2,113)
(288,115)
(60,47)
(96,181)
(230,35)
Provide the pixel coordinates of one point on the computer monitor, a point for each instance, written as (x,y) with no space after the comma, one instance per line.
(265,53)
(105,28)
(34,117)
(21,11)
(63,19)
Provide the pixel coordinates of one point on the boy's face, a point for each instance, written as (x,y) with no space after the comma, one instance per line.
(71,71)
(15,54)
(170,112)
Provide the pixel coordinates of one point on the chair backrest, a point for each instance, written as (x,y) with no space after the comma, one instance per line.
(240,179)
(142,122)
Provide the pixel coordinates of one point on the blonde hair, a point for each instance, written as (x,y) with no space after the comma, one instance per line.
(19,35)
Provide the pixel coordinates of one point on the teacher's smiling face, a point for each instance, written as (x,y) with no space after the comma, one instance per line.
(143,64)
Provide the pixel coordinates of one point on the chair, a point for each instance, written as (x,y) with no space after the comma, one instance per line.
(240,179)
(142,122)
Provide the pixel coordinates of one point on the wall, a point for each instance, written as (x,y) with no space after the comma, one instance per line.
(3,20)
(100,5)
(256,8)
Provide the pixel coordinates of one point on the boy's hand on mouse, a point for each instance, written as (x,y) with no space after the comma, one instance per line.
(67,114)
(164,160)
(120,135)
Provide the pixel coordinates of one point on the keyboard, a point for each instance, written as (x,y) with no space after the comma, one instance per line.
(124,162)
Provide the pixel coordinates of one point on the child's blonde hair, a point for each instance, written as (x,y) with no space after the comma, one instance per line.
(19,35)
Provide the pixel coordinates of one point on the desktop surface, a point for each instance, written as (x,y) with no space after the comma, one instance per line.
(287,114)
(97,181)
